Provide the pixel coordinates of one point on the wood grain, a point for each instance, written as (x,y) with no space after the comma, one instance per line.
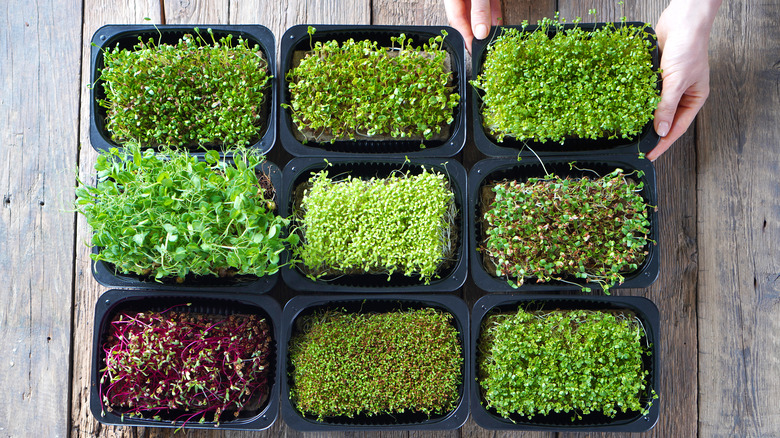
(738,229)
(408,12)
(196,12)
(40,48)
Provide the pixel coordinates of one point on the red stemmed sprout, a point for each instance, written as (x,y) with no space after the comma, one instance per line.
(177,366)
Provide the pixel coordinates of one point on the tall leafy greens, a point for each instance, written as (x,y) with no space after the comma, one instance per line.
(168,214)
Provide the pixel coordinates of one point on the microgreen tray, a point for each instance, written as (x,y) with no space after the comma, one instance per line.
(453,274)
(304,305)
(126,37)
(496,169)
(631,421)
(296,39)
(487,144)
(106,275)
(115,301)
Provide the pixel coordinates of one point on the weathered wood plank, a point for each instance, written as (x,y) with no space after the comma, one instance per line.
(87,291)
(675,290)
(515,11)
(196,12)
(738,226)
(408,12)
(38,106)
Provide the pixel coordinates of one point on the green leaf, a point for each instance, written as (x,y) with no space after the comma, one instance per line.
(212,156)
(168,217)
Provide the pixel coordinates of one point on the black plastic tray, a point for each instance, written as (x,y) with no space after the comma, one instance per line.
(126,36)
(114,301)
(644,142)
(307,304)
(298,170)
(106,275)
(297,38)
(492,169)
(594,422)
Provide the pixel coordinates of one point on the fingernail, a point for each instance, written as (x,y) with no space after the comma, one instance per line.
(481,32)
(663,129)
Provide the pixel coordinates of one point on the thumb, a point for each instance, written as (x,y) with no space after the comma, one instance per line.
(480,18)
(671,93)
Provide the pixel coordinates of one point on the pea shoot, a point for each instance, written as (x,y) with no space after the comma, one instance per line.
(168,215)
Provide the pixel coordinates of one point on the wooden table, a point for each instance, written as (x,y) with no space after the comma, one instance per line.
(718,187)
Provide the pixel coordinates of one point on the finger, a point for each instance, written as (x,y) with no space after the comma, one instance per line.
(459,18)
(685,115)
(671,93)
(480,18)
(665,143)
(659,149)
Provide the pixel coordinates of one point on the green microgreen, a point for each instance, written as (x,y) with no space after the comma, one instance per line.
(167,214)
(577,362)
(554,228)
(347,364)
(574,84)
(358,90)
(193,93)
(403,223)
(183,365)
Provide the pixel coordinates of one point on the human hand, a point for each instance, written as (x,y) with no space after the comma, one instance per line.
(473,18)
(683,38)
